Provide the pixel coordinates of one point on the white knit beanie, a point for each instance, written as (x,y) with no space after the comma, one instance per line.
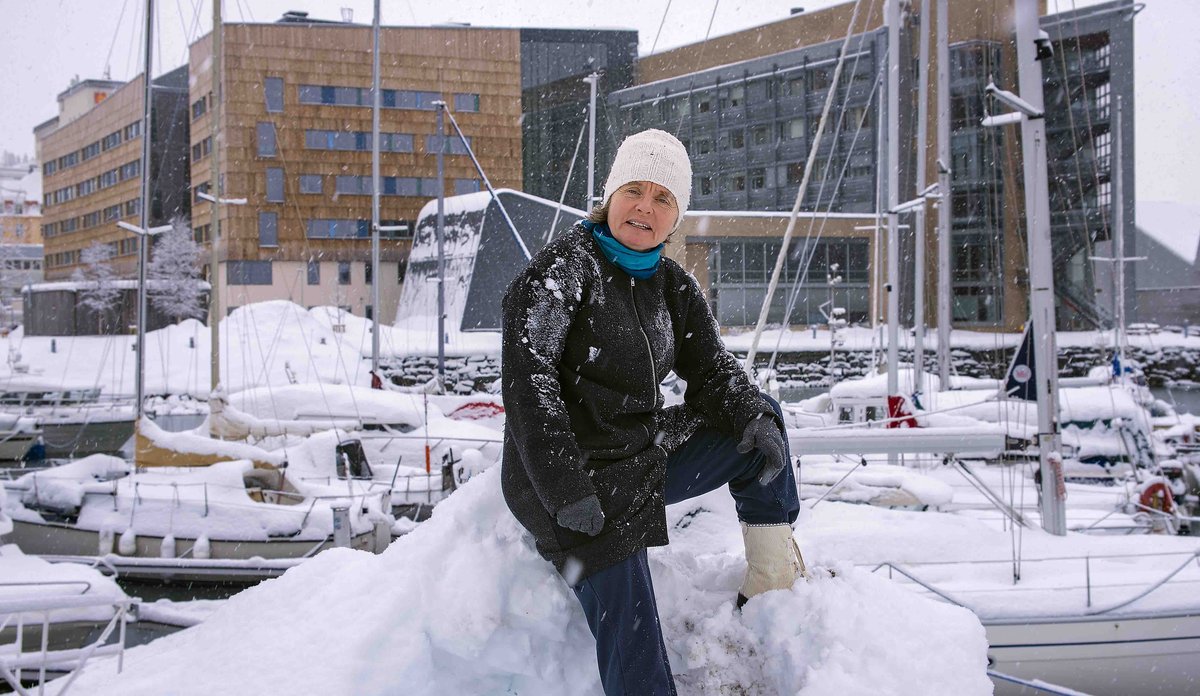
(657,156)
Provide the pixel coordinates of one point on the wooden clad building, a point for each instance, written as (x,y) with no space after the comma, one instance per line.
(296,137)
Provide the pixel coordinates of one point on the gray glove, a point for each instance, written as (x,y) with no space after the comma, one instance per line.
(582,516)
(763,434)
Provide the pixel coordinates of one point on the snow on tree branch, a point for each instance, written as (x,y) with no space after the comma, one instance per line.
(97,290)
(175,289)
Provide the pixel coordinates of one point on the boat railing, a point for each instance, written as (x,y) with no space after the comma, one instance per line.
(1088,585)
(16,659)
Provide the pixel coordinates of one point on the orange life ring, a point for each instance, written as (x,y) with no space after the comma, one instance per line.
(1157,496)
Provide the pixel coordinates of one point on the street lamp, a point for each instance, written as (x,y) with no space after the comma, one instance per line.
(143,234)
(214,296)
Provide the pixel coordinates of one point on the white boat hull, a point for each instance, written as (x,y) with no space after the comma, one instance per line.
(1118,655)
(229,559)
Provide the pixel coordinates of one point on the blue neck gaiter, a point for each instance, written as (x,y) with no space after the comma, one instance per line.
(639,264)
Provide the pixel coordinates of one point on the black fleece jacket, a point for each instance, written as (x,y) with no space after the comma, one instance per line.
(585,348)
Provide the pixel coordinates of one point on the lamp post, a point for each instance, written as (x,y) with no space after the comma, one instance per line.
(214,276)
(144,235)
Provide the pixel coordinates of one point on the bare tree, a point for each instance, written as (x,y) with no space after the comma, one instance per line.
(173,273)
(97,290)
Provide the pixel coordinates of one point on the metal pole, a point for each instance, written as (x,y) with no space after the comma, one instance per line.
(1118,235)
(919,279)
(1041,273)
(144,240)
(591,185)
(375,102)
(441,221)
(214,259)
(944,291)
(893,199)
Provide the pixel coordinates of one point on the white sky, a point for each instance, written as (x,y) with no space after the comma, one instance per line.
(44,43)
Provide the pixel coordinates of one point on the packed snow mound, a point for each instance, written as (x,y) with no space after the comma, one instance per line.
(464,605)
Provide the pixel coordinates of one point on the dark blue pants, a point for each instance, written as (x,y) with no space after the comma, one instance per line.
(619,600)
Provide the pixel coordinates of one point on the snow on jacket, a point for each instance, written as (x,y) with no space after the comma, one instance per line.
(585,348)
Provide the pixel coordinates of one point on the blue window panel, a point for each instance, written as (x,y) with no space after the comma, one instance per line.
(328,95)
(268,229)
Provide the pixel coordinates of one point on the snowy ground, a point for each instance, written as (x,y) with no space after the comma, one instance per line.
(463,605)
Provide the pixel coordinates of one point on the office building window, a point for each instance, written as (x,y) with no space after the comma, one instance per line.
(249,273)
(268,229)
(343,272)
(266,139)
(273,93)
(311,183)
(368,274)
(338,229)
(314,272)
(454,145)
(466,102)
(462,186)
(356,140)
(274,185)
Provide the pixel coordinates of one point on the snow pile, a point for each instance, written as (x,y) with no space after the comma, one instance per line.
(331,401)
(29,577)
(62,487)
(464,605)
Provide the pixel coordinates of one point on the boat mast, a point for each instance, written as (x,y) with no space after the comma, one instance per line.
(375,100)
(919,213)
(1030,50)
(591,181)
(1118,234)
(892,19)
(214,259)
(144,239)
(441,256)
(943,209)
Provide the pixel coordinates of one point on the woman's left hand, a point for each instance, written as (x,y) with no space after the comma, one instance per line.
(763,434)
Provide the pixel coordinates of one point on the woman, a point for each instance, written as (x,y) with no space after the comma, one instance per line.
(591,458)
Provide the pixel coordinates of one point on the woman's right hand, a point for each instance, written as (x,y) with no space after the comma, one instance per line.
(582,516)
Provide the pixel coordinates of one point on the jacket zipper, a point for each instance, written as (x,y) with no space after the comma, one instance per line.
(649,350)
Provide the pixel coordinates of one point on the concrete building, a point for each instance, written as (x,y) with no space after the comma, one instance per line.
(747,105)
(20,235)
(91,160)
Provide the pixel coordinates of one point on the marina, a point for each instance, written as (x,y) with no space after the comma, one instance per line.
(256,443)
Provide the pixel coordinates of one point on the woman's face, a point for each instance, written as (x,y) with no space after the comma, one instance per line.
(641,215)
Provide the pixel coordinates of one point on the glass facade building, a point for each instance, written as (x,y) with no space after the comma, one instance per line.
(555,100)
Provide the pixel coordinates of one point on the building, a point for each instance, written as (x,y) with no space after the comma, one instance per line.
(91,164)
(20,234)
(747,105)
(296,144)
(1168,241)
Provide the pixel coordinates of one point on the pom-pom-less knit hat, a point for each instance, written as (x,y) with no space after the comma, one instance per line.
(657,156)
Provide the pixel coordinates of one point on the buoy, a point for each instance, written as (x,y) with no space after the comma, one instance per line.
(104,541)
(167,549)
(127,546)
(202,549)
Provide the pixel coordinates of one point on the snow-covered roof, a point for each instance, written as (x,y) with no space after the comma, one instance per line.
(119,283)
(27,182)
(1176,226)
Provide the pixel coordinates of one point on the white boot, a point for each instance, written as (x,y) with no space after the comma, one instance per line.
(773,560)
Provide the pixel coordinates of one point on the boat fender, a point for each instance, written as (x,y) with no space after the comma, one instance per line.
(202,549)
(1157,496)
(104,541)
(167,549)
(127,546)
